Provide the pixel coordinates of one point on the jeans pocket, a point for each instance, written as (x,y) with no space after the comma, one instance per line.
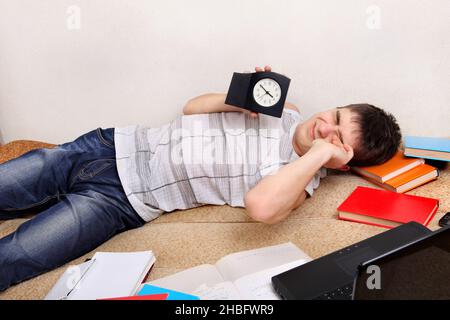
(94,168)
(106,137)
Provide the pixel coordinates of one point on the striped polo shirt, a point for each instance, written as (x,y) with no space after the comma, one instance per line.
(212,158)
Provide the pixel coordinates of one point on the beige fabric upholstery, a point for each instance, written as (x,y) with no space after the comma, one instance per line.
(185,239)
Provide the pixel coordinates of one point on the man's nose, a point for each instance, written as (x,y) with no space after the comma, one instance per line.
(326,130)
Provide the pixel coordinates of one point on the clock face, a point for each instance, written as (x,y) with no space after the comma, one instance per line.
(267,92)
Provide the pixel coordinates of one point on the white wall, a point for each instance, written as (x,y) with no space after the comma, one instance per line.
(138,61)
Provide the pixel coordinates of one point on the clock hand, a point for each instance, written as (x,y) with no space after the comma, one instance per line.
(267,92)
(263,88)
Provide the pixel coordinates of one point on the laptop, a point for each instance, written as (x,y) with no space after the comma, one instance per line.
(419,270)
(332,276)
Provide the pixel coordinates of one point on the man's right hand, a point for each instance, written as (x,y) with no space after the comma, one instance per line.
(265,69)
(338,154)
(258,69)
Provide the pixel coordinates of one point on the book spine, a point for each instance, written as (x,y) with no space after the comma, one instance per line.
(382,185)
(432,215)
(366,175)
(421,184)
(427,154)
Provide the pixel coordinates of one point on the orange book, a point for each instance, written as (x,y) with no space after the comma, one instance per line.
(397,165)
(410,179)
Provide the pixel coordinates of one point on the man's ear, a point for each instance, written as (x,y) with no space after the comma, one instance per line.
(344,168)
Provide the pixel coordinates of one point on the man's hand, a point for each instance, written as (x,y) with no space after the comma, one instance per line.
(259,69)
(265,69)
(339,154)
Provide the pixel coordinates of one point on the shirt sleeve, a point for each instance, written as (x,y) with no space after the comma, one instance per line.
(274,129)
(288,121)
(291,112)
(315,181)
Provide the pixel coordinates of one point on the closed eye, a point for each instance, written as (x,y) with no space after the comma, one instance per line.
(338,122)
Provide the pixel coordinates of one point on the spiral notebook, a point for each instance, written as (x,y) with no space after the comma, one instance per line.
(106,275)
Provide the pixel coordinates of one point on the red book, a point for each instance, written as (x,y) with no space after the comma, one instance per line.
(386,209)
(162,296)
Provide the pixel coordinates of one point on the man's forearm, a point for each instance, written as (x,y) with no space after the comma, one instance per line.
(274,197)
(215,102)
(208,103)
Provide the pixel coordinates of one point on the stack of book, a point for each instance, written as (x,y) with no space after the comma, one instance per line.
(399,174)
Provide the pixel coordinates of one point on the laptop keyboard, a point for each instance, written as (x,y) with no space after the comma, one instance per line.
(342,293)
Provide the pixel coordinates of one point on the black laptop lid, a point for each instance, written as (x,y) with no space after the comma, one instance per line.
(420,270)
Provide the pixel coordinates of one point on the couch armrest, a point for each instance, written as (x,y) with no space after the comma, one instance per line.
(16,148)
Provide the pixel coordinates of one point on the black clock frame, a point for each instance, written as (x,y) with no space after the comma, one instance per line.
(240,92)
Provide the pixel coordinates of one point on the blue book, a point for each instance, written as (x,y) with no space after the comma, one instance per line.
(173,295)
(428,148)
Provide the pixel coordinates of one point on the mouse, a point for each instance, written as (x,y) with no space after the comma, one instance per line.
(445,220)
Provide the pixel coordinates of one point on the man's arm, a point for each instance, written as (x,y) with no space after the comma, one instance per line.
(215,102)
(276,196)
(208,103)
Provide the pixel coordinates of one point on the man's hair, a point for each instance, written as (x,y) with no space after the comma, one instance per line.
(380,135)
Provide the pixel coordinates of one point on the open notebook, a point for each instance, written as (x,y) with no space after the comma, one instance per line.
(240,275)
(106,275)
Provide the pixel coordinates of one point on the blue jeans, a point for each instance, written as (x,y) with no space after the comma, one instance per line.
(80,203)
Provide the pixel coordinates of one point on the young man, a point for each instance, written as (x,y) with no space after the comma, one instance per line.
(109,181)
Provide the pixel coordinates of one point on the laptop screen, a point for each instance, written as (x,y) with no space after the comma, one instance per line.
(419,271)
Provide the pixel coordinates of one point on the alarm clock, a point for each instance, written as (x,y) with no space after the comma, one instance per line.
(261,92)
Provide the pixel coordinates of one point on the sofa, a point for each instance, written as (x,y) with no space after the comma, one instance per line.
(183,239)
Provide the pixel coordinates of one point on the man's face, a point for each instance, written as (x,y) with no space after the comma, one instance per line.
(325,125)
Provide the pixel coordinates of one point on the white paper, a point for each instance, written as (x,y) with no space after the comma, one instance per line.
(239,264)
(219,291)
(189,280)
(69,280)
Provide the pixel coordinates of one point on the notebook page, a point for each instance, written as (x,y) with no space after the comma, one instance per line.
(258,286)
(112,274)
(239,264)
(190,279)
(219,291)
